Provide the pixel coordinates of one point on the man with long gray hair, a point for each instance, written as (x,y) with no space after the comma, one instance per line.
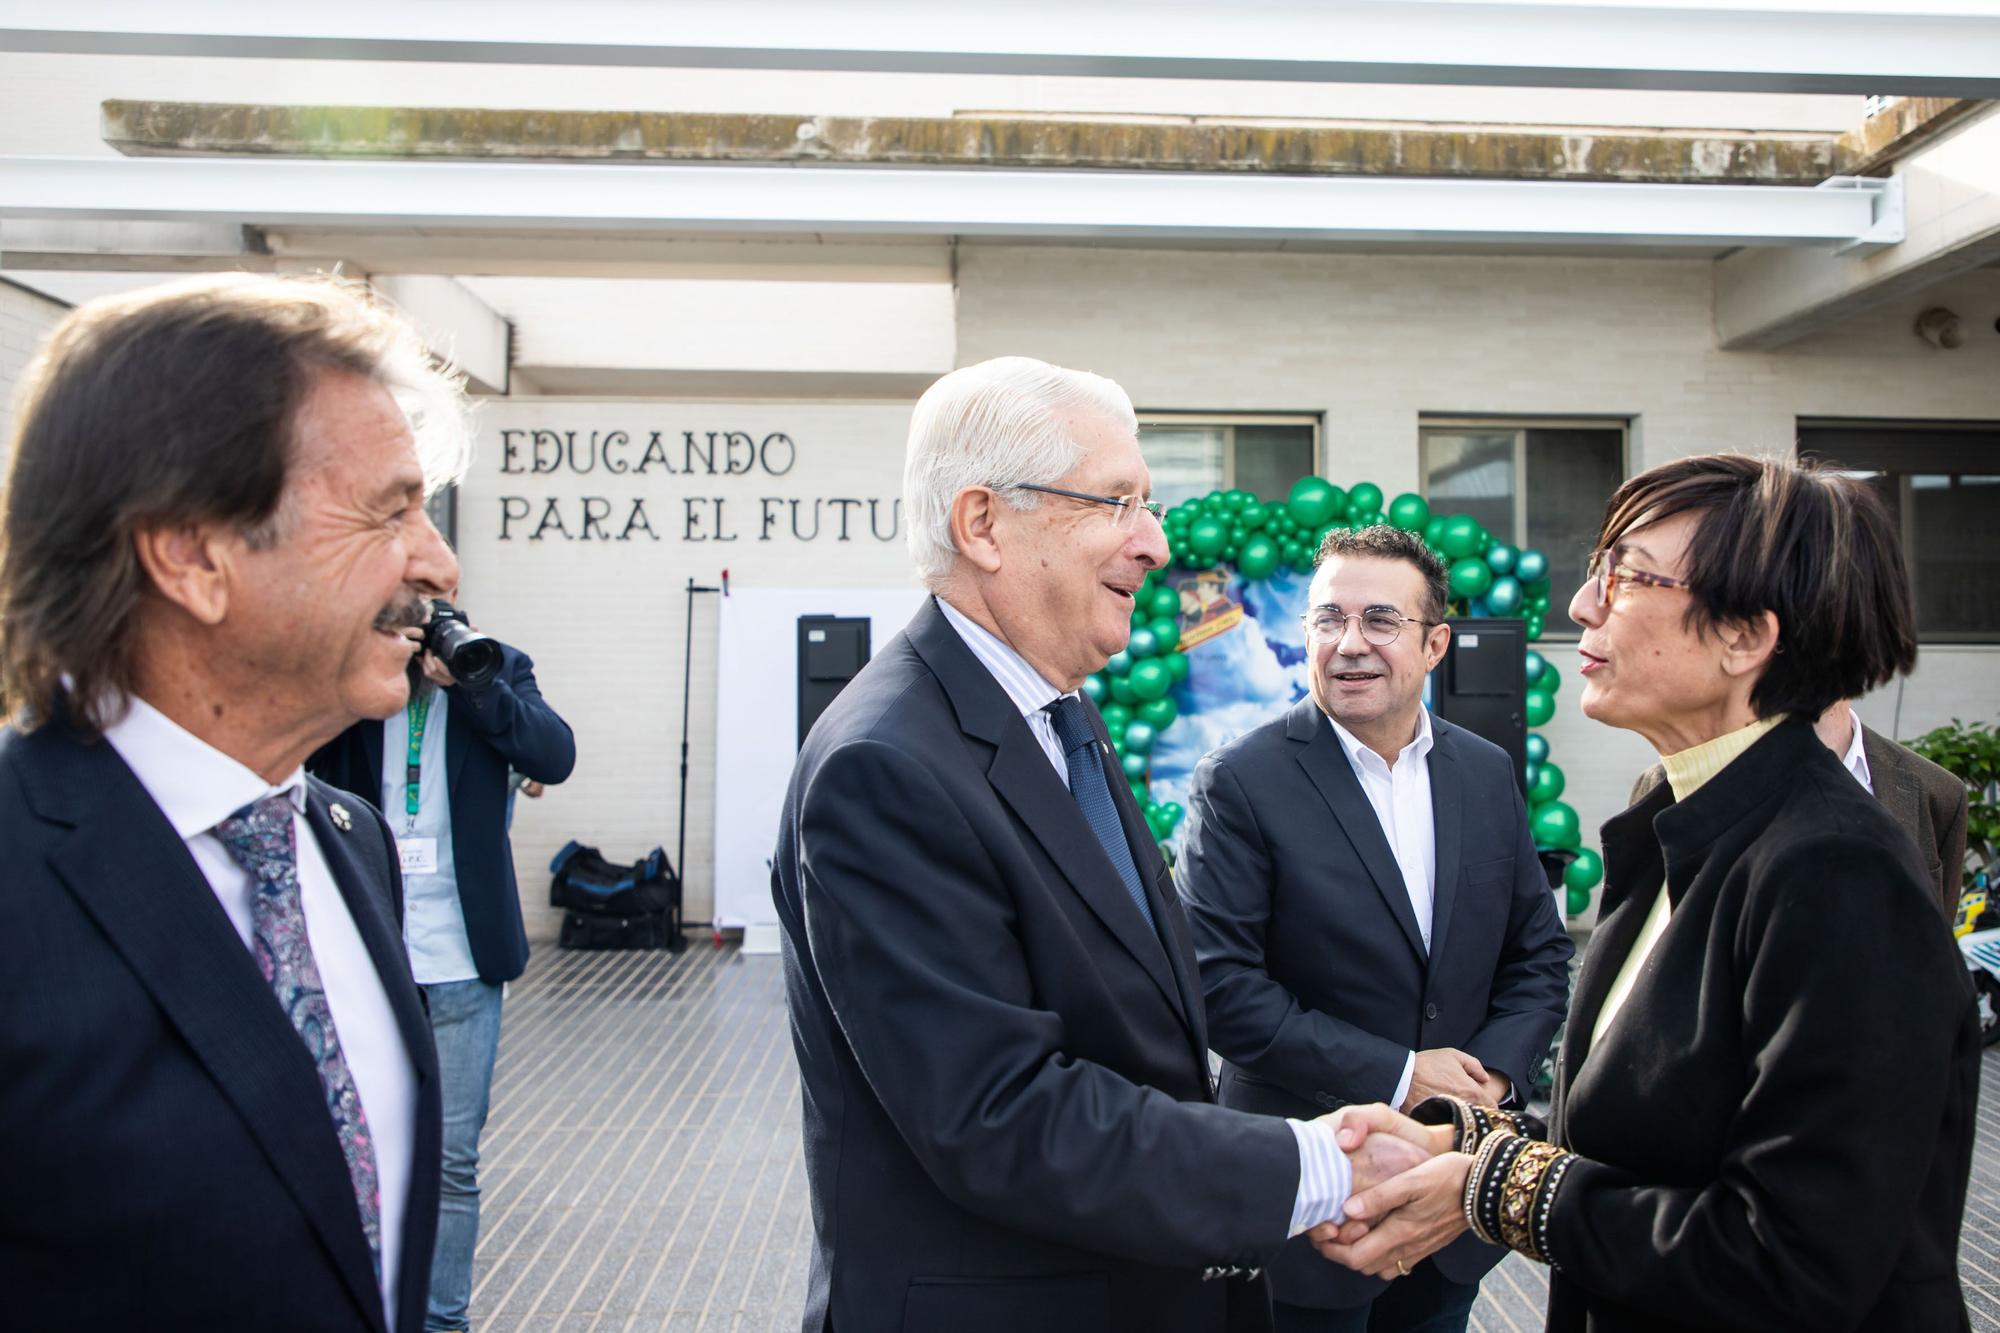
(220,1106)
(1008,1117)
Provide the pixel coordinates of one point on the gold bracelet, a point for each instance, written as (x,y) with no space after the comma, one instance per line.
(1525,1174)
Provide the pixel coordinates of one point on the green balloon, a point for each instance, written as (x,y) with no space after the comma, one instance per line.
(1163,602)
(1531,565)
(1434,531)
(1215,502)
(1259,558)
(1156,821)
(1116,718)
(1582,875)
(1151,678)
(1533,664)
(1094,688)
(1535,626)
(1540,707)
(1139,792)
(1139,736)
(1167,634)
(1470,578)
(1555,825)
(1238,534)
(1546,786)
(1142,644)
(1121,691)
(1409,512)
(1173,811)
(1134,765)
(1538,748)
(1376,519)
(1502,557)
(1460,537)
(1577,901)
(1161,712)
(1206,536)
(1177,663)
(1229,552)
(1118,664)
(1551,680)
(1504,597)
(1314,500)
(1365,498)
(1301,557)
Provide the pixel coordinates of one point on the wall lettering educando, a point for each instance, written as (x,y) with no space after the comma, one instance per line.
(658,489)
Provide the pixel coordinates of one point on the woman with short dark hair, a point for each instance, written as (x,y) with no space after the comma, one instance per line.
(1764,1105)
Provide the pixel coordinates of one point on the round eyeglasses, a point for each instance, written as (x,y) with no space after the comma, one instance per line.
(1603,575)
(1379,626)
(1127,508)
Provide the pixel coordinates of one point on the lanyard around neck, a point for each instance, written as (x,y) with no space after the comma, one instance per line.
(420,716)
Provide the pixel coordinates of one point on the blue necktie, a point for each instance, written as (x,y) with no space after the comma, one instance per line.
(1093,794)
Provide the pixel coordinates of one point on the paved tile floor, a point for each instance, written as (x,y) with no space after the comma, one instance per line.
(642,1166)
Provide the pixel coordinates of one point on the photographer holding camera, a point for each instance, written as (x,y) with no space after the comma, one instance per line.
(441,771)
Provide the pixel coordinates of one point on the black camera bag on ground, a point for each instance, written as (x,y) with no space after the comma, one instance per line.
(610,906)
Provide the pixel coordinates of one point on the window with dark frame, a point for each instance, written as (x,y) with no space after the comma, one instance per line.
(1539,483)
(1941,481)
(1191,454)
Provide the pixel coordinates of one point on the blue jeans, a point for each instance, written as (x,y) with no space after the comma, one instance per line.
(465,1023)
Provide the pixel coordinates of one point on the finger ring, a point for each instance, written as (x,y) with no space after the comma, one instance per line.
(1400,1270)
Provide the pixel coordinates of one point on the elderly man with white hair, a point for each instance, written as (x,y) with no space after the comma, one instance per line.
(1009,1122)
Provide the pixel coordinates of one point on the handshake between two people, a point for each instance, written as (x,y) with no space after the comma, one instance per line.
(1407,1187)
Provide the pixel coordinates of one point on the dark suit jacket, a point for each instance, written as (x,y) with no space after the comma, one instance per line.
(1777,1128)
(506,724)
(1928,801)
(168,1158)
(1317,980)
(1008,1119)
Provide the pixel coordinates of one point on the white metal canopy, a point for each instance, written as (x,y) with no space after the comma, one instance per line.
(1922,47)
(885,202)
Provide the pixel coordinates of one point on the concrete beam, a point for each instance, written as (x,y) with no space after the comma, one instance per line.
(142,247)
(458,326)
(1943,48)
(1951,200)
(526,253)
(1503,152)
(1147,206)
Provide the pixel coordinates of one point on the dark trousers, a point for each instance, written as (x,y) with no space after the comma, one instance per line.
(1424,1302)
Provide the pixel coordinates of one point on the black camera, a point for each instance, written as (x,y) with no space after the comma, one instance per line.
(470,656)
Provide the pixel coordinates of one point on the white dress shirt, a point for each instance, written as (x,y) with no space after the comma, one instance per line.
(1401,799)
(1325,1176)
(196,787)
(1856,757)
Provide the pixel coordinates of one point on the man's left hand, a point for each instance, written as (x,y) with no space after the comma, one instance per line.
(436,672)
(1496,1088)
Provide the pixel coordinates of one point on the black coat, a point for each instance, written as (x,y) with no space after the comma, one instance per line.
(1316,975)
(1008,1118)
(165,1149)
(504,724)
(1775,1132)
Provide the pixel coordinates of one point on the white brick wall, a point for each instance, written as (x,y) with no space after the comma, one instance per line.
(605,621)
(25,320)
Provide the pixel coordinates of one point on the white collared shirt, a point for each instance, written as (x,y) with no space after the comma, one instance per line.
(196,787)
(1031,693)
(1856,758)
(1325,1176)
(1401,799)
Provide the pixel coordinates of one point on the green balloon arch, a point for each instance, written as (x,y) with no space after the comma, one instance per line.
(1236,531)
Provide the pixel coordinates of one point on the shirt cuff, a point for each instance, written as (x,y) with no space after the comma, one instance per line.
(1403,1086)
(1325,1176)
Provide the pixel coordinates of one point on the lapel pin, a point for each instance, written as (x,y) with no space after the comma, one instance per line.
(1102,746)
(341,819)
